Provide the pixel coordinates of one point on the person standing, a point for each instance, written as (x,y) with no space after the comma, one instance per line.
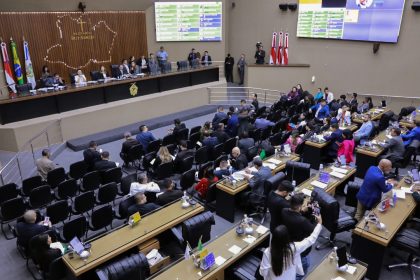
(44,164)
(255,102)
(162,57)
(241,68)
(277,201)
(91,155)
(229,61)
(192,56)
(260,55)
(206,59)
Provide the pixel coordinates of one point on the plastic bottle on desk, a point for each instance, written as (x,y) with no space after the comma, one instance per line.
(394,199)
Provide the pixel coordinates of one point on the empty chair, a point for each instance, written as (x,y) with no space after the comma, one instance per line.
(123,207)
(8,191)
(217,151)
(184,165)
(58,212)
(187,179)
(10,210)
(246,268)
(107,193)
(78,170)
(169,139)
(198,227)
(194,138)
(40,197)
(57,269)
(154,146)
(251,153)
(255,134)
(265,133)
(147,159)
(182,134)
(75,227)
(129,267)
(384,120)
(83,203)
(126,184)
(31,183)
(91,181)
(67,189)
(201,155)
(135,154)
(229,145)
(351,199)
(195,129)
(101,218)
(203,169)
(165,170)
(275,139)
(274,181)
(56,176)
(298,171)
(112,175)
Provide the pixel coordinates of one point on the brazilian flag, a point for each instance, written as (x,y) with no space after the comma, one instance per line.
(16,63)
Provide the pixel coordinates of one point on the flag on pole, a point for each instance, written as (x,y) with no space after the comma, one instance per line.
(28,65)
(188,250)
(16,63)
(7,69)
(273,57)
(280,51)
(200,245)
(286,49)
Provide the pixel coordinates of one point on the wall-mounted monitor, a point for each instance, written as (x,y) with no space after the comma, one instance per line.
(361,20)
(188,21)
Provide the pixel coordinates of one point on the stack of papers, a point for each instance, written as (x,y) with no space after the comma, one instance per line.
(319,184)
(351,269)
(274,161)
(261,229)
(337,174)
(269,165)
(406,190)
(307,192)
(249,239)
(220,260)
(399,193)
(339,170)
(235,249)
(238,176)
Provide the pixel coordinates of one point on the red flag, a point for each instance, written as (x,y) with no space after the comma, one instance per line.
(273,57)
(286,49)
(280,51)
(7,69)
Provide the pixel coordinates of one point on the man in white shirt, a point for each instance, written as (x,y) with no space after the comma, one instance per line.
(143,185)
(80,78)
(344,116)
(328,95)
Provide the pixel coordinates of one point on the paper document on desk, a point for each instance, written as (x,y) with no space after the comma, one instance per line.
(220,260)
(249,239)
(307,192)
(57,245)
(261,229)
(406,190)
(274,161)
(337,175)
(269,165)
(339,170)
(319,184)
(338,278)
(351,269)
(235,249)
(399,193)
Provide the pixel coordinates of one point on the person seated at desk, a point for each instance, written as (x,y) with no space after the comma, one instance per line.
(373,186)
(346,148)
(238,160)
(365,106)
(256,183)
(145,137)
(134,68)
(121,72)
(153,64)
(277,201)
(219,116)
(28,228)
(104,164)
(297,220)
(80,78)
(206,59)
(343,101)
(394,146)
(319,95)
(163,156)
(141,206)
(334,139)
(203,185)
(294,140)
(207,127)
(91,155)
(42,253)
(310,131)
(413,136)
(54,80)
(321,110)
(220,133)
(143,185)
(103,74)
(363,133)
(245,142)
(344,116)
(144,64)
(169,194)
(126,146)
(262,122)
(209,141)
(183,152)
(223,169)
(282,261)
(126,67)
(326,125)
(45,164)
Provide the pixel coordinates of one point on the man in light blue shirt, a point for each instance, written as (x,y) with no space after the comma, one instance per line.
(262,122)
(362,134)
(162,57)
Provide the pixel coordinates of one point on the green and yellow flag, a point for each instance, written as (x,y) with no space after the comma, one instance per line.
(16,63)
(200,245)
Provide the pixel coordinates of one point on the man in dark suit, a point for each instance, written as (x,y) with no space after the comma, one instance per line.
(394,146)
(277,201)
(178,125)
(206,58)
(104,164)
(192,56)
(209,141)
(335,138)
(256,182)
(141,206)
(245,142)
(238,161)
(183,153)
(28,228)
(91,155)
(169,194)
(229,62)
(219,116)
(126,146)
(220,133)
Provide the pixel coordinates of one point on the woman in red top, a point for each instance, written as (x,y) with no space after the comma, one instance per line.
(203,185)
(346,148)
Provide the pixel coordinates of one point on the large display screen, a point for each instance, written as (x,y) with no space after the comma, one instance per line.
(188,21)
(363,20)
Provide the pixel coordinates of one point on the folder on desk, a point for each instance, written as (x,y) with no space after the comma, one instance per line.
(307,192)
(274,161)
(269,165)
(337,175)
(339,170)
(319,184)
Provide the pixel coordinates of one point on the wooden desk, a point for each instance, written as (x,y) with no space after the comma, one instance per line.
(369,245)
(405,122)
(327,269)
(332,185)
(313,151)
(375,114)
(226,192)
(185,269)
(126,237)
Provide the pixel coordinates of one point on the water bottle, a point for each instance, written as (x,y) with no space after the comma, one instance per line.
(294,184)
(394,199)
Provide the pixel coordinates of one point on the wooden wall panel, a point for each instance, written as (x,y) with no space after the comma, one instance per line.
(65,41)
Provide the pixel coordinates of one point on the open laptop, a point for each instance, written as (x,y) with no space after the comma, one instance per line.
(77,245)
(324,177)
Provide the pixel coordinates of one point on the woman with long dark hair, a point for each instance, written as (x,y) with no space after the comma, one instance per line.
(281,261)
(41,251)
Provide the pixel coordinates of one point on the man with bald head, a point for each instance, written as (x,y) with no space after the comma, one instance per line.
(238,161)
(28,228)
(373,186)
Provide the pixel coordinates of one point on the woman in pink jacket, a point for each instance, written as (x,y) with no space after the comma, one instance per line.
(346,148)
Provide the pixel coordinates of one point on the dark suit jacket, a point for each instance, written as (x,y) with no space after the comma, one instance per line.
(182,155)
(222,136)
(128,144)
(218,117)
(240,162)
(208,60)
(26,231)
(336,136)
(90,157)
(103,165)
(169,196)
(142,208)
(177,128)
(276,204)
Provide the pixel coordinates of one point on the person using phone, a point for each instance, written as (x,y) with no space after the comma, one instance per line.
(29,227)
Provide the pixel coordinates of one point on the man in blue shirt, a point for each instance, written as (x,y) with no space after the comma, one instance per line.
(145,137)
(210,141)
(363,133)
(321,110)
(219,116)
(162,57)
(414,134)
(335,138)
(262,122)
(373,186)
(233,122)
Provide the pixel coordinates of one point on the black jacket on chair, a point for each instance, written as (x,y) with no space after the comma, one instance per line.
(103,165)
(90,157)
(131,267)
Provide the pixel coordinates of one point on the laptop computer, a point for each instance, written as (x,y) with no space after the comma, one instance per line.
(324,177)
(77,245)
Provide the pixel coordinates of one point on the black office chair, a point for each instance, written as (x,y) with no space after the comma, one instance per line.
(405,111)
(95,75)
(182,134)
(298,171)
(107,193)
(265,133)
(408,240)
(334,219)
(123,208)
(352,189)
(74,227)
(101,218)
(229,145)
(130,267)
(134,155)
(57,270)
(164,170)
(251,153)
(255,134)
(91,181)
(115,70)
(216,151)
(194,129)
(201,156)
(78,170)
(276,139)
(187,179)
(203,169)
(184,165)
(172,149)
(23,90)
(247,268)
(67,189)
(126,184)
(8,191)
(10,210)
(112,175)
(83,203)
(146,165)
(384,120)
(193,139)
(40,197)
(154,146)
(72,78)
(56,176)
(58,212)
(31,183)
(168,139)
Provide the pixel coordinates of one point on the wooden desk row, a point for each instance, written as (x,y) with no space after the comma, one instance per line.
(375,114)
(405,122)
(226,192)
(369,245)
